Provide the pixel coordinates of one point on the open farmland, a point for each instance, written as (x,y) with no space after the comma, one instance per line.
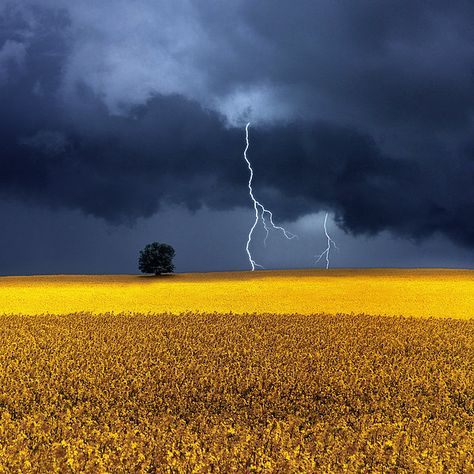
(224,393)
(270,391)
(425,292)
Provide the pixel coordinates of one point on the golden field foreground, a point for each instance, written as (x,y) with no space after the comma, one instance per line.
(174,382)
(236,393)
(425,292)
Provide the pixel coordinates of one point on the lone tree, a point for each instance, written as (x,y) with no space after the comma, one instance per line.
(156,258)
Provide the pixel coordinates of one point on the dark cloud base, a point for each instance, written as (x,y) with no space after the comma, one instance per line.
(173,151)
(77,155)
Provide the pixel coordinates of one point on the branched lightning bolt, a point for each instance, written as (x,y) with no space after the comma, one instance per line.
(260,210)
(330,243)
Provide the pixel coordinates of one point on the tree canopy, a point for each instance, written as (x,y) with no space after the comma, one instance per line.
(156,258)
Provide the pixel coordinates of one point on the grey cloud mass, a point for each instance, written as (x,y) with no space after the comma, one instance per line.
(121,109)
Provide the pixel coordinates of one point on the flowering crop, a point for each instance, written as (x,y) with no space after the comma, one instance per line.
(392,292)
(235,393)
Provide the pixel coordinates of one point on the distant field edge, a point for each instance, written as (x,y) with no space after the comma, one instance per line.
(423,292)
(347,271)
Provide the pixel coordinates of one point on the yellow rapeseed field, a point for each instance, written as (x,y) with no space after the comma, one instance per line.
(236,393)
(428,292)
(238,372)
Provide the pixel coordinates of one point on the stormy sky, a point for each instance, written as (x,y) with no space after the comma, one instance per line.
(122,123)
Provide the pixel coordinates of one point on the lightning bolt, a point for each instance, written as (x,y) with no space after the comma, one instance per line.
(330,243)
(260,211)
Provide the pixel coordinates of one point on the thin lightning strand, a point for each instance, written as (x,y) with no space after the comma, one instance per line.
(255,202)
(258,206)
(330,242)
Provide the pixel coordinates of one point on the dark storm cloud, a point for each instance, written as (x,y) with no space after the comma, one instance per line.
(360,108)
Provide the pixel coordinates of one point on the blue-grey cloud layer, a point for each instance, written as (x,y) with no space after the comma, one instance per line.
(118,108)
